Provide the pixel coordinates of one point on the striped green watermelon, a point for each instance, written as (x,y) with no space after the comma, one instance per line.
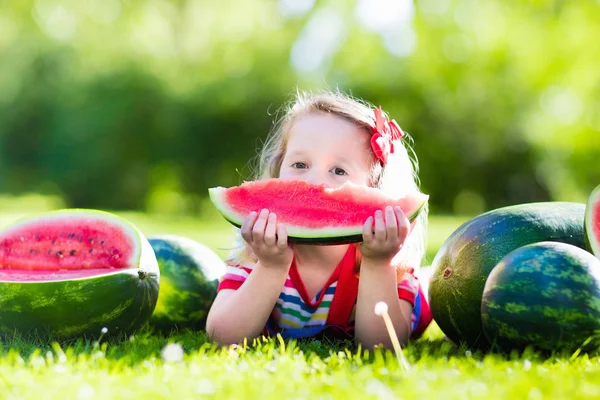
(466,258)
(545,295)
(73,272)
(592,222)
(189,273)
(312,213)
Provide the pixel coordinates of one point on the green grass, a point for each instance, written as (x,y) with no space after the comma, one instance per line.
(273,369)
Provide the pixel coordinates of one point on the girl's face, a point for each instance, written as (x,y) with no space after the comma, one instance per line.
(327,149)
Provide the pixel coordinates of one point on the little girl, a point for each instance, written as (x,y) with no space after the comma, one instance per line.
(301,291)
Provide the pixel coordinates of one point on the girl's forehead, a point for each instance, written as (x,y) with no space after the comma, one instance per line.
(330,135)
(325,128)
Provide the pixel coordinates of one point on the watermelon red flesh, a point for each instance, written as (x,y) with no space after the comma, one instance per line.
(592,222)
(311,211)
(56,248)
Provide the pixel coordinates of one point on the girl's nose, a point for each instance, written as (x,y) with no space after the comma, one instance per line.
(315,177)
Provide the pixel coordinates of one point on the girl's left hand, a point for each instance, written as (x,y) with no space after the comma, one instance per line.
(383,236)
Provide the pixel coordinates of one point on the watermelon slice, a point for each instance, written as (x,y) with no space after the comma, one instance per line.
(312,214)
(73,272)
(592,222)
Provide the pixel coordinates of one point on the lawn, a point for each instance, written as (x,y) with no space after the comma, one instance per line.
(143,367)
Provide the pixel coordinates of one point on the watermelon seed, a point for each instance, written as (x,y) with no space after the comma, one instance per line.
(101,242)
(33,251)
(71,235)
(37,237)
(72,252)
(59,254)
(447,272)
(90,251)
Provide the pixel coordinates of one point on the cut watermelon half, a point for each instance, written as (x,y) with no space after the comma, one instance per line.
(74,272)
(312,213)
(592,222)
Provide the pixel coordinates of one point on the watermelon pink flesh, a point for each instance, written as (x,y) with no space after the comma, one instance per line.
(310,207)
(593,221)
(596,220)
(63,249)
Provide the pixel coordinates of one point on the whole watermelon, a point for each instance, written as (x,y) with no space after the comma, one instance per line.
(466,258)
(545,295)
(189,273)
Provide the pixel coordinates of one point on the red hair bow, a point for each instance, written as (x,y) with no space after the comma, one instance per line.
(384,134)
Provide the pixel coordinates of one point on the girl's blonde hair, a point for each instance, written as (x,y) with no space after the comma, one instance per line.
(397,178)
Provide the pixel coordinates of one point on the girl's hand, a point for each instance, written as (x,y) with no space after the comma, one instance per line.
(383,239)
(268,239)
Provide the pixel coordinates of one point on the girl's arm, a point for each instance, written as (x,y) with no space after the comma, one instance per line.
(383,237)
(378,283)
(243,313)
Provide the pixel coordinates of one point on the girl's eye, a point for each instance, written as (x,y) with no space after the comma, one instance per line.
(299,165)
(339,171)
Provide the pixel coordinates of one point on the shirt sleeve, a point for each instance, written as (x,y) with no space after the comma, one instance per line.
(234,277)
(408,287)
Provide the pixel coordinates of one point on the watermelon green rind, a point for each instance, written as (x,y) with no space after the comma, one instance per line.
(297,234)
(188,282)
(592,222)
(545,295)
(121,300)
(466,258)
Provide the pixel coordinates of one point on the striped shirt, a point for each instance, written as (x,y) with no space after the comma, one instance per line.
(294,309)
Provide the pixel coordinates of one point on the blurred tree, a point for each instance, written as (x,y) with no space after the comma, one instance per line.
(116,104)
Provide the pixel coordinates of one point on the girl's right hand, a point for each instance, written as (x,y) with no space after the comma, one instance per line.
(268,239)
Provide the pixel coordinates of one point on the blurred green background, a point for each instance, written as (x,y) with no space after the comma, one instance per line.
(143,105)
